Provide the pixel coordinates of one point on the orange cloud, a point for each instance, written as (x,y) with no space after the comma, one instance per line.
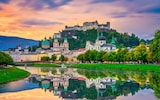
(29,19)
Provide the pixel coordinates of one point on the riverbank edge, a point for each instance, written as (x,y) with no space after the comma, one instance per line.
(45,65)
(130,67)
(12,74)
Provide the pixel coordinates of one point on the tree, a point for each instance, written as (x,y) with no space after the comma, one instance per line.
(62,58)
(81,57)
(141,52)
(155,47)
(53,57)
(99,56)
(92,55)
(45,58)
(86,56)
(65,58)
(111,57)
(121,55)
(5,59)
(105,56)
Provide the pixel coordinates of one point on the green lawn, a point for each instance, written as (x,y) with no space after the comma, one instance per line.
(135,67)
(45,65)
(11,74)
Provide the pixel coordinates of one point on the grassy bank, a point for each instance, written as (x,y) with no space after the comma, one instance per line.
(11,74)
(45,65)
(135,67)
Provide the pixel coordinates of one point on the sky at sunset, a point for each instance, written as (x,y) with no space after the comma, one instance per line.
(36,19)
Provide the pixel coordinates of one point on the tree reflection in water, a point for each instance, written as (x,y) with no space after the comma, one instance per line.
(126,82)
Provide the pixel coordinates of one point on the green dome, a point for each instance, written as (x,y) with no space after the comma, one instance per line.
(65,39)
(45,42)
(45,84)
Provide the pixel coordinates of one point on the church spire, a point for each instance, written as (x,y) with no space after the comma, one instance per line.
(98,35)
(101,34)
(113,41)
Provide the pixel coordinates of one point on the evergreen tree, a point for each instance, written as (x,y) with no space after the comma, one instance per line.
(62,58)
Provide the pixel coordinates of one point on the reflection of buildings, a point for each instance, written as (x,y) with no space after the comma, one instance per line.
(69,87)
(63,81)
(100,83)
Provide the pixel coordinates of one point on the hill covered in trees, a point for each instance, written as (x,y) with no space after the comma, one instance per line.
(121,39)
(140,54)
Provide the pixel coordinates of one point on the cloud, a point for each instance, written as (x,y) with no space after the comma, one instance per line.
(43,4)
(155,10)
(1,8)
(97,1)
(40,22)
(4,1)
(119,14)
(109,1)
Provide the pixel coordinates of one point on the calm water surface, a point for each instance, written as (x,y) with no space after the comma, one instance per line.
(68,83)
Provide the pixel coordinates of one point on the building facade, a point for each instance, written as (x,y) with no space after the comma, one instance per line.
(61,47)
(100,44)
(89,25)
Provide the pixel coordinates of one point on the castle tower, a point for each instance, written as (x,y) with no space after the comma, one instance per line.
(108,24)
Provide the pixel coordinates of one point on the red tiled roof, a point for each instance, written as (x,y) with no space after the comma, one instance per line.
(81,49)
(81,78)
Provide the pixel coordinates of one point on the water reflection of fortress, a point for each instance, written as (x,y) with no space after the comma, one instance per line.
(73,83)
(59,84)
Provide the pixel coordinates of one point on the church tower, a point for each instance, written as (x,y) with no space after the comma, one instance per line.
(55,43)
(65,44)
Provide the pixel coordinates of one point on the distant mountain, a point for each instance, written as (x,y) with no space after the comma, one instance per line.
(12,42)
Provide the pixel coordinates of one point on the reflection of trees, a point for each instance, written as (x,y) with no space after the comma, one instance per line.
(62,71)
(138,80)
(45,69)
(82,91)
(121,88)
(143,79)
(54,71)
(155,83)
(91,73)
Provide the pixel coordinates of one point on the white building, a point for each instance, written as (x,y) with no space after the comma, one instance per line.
(101,44)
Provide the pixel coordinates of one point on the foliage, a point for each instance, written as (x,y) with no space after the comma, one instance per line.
(155,47)
(45,58)
(137,67)
(62,58)
(5,59)
(53,57)
(122,40)
(141,52)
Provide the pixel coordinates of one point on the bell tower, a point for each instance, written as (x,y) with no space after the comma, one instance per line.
(66,45)
(55,43)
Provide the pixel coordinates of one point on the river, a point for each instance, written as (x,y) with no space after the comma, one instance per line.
(71,83)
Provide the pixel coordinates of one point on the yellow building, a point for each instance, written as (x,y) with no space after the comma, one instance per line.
(28,57)
(32,57)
